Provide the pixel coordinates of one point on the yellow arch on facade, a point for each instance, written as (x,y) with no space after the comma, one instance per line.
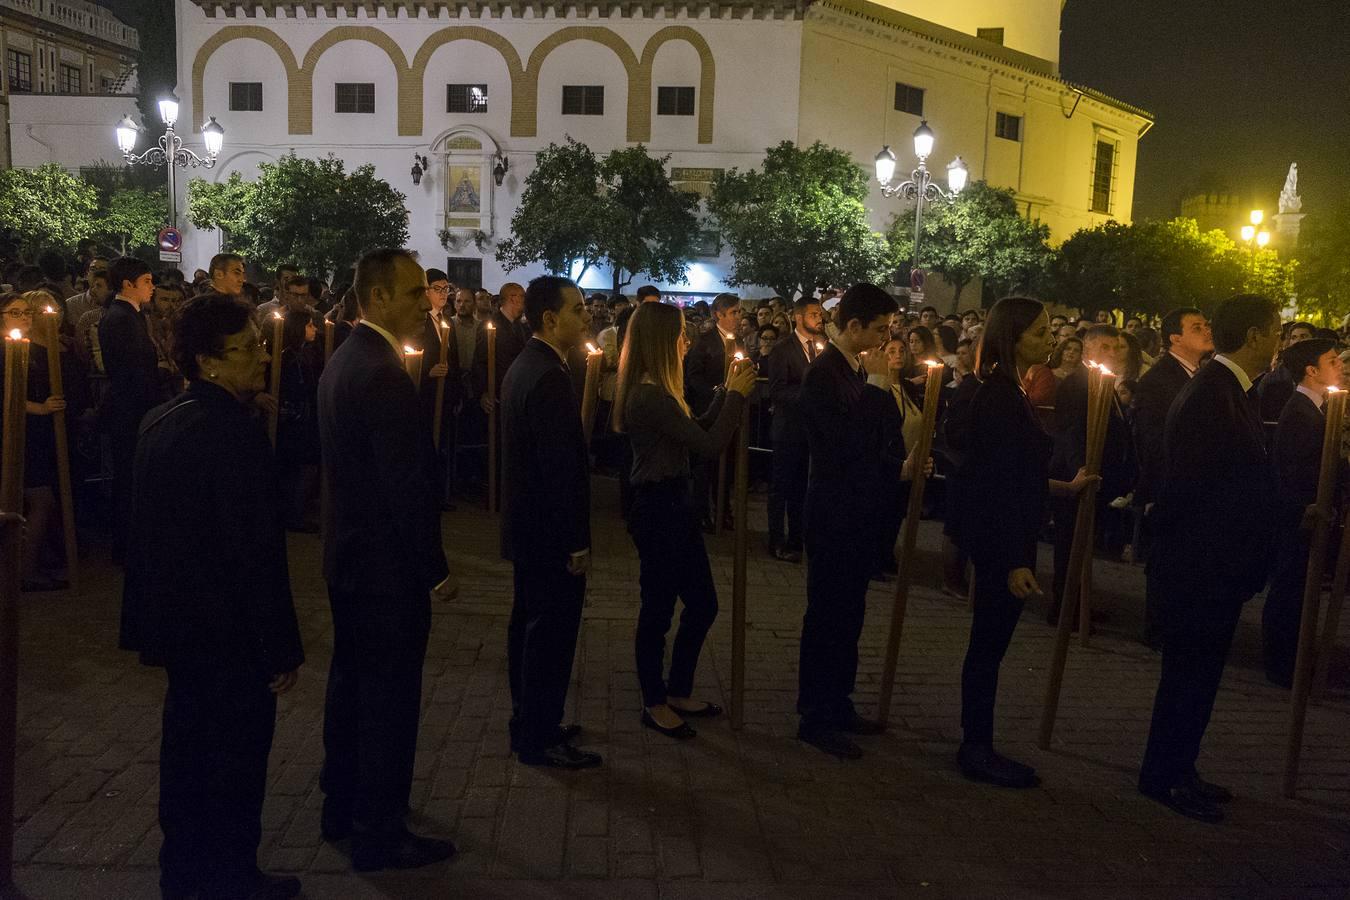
(409,88)
(241,33)
(706,81)
(525,102)
(467,33)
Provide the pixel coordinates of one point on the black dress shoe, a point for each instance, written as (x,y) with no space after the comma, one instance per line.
(706,711)
(570,732)
(833,742)
(858,725)
(1214,793)
(979,762)
(371,853)
(791,556)
(1187,801)
(561,755)
(681,732)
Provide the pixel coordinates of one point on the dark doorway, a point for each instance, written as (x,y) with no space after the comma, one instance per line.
(464,272)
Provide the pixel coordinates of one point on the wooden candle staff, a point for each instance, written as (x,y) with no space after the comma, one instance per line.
(491,331)
(412,364)
(1334,411)
(49,337)
(274,383)
(728,354)
(442,329)
(913,512)
(590,392)
(1335,602)
(740,551)
(1101,390)
(14,413)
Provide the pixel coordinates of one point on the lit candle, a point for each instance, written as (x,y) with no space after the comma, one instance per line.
(274,381)
(16,429)
(728,351)
(412,364)
(590,392)
(491,331)
(49,337)
(329,336)
(437,417)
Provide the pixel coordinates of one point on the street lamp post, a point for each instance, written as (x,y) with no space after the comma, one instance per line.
(170,153)
(920,187)
(1255,237)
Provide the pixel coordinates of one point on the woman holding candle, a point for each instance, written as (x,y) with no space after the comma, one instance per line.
(664,518)
(1004,483)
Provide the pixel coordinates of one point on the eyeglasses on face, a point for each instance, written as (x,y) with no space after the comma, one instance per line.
(19,313)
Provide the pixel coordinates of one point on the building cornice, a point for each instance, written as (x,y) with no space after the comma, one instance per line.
(518,9)
(76,22)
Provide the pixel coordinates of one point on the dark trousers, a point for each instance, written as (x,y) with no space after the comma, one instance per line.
(674,565)
(839,566)
(787,495)
(217,732)
(1283,612)
(991,629)
(1153,615)
(1066,519)
(541,643)
(704,488)
(123,447)
(1200,622)
(371,711)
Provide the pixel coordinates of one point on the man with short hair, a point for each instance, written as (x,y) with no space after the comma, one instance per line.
(466,325)
(1133,324)
(293,296)
(512,333)
(1188,338)
(283,275)
(377,458)
(1275,386)
(227,274)
(847,411)
(928,317)
(438,327)
(648,293)
(763,314)
(785,367)
(545,524)
(1297,454)
(94,294)
(1214,516)
(705,367)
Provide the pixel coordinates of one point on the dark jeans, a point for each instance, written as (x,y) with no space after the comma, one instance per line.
(217,733)
(1199,623)
(788,494)
(839,566)
(541,642)
(673,564)
(374,699)
(991,630)
(1283,612)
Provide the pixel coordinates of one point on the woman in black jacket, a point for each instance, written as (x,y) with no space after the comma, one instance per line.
(1004,484)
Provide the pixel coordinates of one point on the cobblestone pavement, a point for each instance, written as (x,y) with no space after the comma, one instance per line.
(748,814)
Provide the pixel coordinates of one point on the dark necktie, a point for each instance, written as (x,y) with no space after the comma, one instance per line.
(810,351)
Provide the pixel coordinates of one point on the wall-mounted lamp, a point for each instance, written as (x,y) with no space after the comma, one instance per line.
(419,166)
(500,168)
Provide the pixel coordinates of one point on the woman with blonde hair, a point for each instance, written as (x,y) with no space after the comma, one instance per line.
(663,519)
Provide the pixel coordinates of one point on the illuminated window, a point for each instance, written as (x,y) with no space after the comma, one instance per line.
(466,98)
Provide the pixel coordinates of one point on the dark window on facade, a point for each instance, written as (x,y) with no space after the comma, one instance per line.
(246,96)
(1008,127)
(908,99)
(72,80)
(1103,173)
(19,68)
(583,100)
(466,98)
(674,101)
(993,35)
(354,97)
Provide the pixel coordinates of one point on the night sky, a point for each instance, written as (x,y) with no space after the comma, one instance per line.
(1240,89)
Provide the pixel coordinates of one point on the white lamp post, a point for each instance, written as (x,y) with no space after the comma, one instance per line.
(920,187)
(170,152)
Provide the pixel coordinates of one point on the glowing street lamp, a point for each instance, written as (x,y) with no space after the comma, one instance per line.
(921,188)
(170,151)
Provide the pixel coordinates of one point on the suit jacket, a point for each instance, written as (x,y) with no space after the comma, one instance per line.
(1274,388)
(209,581)
(1217,502)
(132,366)
(382,531)
(785,368)
(1297,455)
(704,369)
(1120,469)
(1157,389)
(856,451)
(430,345)
(546,484)
(511,338)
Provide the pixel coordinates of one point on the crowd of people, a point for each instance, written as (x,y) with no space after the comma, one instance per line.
(1208,472)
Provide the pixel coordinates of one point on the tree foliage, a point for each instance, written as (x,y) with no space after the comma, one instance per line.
(978,234)
(133,218)
(46,208)
(557,221)
(1323,276)
(310,212)
(799,221)
(649,225)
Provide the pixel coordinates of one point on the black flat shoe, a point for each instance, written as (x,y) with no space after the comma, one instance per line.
(707,711)
(1214,793)
(833,742)
(406,851)
(1185,801)
(681,732)
(858,725)
(561,755)
(980,763)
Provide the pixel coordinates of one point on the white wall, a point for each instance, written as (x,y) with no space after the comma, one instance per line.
(69,131)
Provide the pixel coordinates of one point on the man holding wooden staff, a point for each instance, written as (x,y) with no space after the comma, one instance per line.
(507,323)
(705,370)
(441,383)
(1215,512)
(1297,453)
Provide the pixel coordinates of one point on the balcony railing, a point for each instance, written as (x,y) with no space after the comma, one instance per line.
(79,16)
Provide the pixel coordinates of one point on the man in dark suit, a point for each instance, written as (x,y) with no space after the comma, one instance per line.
(705,367)
(382,554)
(1214,517)
(135,385)
(785,369)
(1103,345)
(1275,386)
(845,402)
(509,321)
(546,524)
(437,329)
(1187,336)
(1313,366)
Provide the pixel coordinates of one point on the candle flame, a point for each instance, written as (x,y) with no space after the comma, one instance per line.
(739,356)
(49,311)
(819,346)
(489,326)
(590,348)
(1332,389)
(16,335)
(276,314)
(410,350)
(1106,372)
(445,326)
(932,364)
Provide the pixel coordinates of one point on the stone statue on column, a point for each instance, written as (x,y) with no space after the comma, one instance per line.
(1290,216)
(1290,201)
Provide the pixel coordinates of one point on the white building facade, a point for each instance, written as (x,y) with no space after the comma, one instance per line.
(483,86)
